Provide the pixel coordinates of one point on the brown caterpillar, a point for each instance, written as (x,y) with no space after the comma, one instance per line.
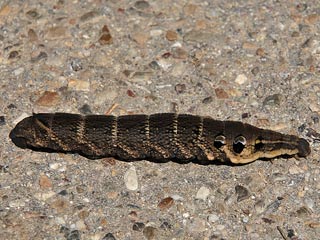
(163,136)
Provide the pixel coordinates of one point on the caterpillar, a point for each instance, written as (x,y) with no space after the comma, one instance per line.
(158,137)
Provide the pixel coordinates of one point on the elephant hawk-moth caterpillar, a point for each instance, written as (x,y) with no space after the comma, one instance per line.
(163,136)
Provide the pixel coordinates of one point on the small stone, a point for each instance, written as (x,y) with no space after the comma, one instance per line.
(85,109)
(201,24)
(221,93)
(104,222)
(14,54)
(259,206)
(186,215)
(255,182)
(81,225)
(56,61)
(4,169)
(79,85)
(207,100)
(44,196)
(312,19)
(274,99)
(314,224)
(291,233)
(171,35)
(310,203)
(60,205)
(33,37)
(279,177)
(166,203)
(59,221)
(313,134)
(149,233)
(89,16)
(108,236)
(301,7)
(242,192)
(141,5)
(245,115)
(63,193)
(179,53)
(249,46)
(112,195)
(260,52)
(131,179)
(2,121)
(241,79)
(165,64)
(234,92)
(48,99)
(197,225)
(178,69)
(190,9)
(18,71)
(33,14)
(45,182)
(5,10)
(166,55)
(57,32)
(263,122)
(138,226)
(130,93)
(255,71)
(133,216)
(245,219)
(156,32)
(72,21)
(198,36)
(17,203)
(55,166)
(294,169)
(73,235)
(203,193)
(180,88)
(165,226)
(108,162)
(295,34)
(105,37)
(304,212)
(140,37)
(64,230)
(213,218)
(107,95)
(154,65)
(177,197)
(315,118)
(302,127)
(220,227)
(141,76)
(273,207)
(76,64)
(83,214)
(41,55)
(127,72)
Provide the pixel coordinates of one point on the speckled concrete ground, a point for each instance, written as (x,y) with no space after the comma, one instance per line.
(254,61)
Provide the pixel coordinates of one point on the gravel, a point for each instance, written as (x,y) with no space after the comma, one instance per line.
(255,61)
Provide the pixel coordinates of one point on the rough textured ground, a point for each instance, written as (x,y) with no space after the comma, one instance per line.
(254,61)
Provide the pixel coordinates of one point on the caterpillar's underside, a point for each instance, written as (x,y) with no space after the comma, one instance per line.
(159,137)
